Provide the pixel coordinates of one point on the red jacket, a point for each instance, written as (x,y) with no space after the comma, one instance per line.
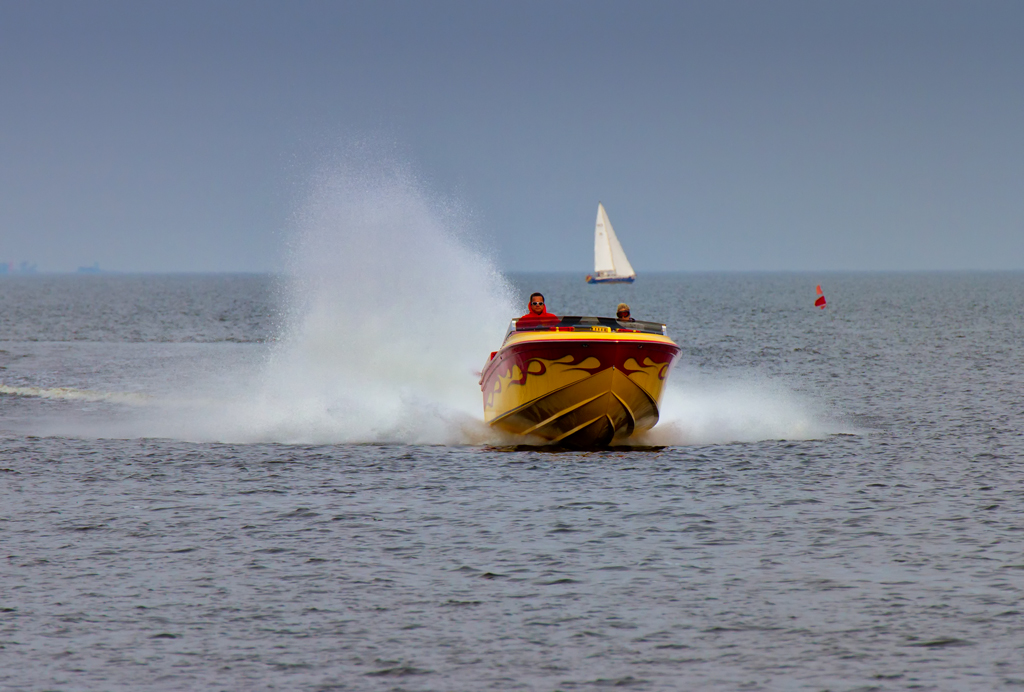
(529,320)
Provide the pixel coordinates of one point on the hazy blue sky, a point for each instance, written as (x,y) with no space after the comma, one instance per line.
(720,135)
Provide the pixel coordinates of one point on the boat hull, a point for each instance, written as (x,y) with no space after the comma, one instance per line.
(611,280)
(577,390)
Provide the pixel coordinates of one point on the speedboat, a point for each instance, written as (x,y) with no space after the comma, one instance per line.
(581,382)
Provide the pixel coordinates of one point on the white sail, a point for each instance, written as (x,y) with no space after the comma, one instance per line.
(603,263)
(609,258)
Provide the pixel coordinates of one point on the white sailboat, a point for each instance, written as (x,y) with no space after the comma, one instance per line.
(610,263)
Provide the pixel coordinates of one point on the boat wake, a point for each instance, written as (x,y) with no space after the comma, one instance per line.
(700,410)
(311,406)
(69,394)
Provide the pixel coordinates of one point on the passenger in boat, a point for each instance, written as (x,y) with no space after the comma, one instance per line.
(622,312)
(538,316)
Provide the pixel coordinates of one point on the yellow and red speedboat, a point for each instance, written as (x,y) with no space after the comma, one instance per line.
(583,382)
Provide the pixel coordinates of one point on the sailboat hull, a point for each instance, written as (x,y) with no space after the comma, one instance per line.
(611,280)
(577,390)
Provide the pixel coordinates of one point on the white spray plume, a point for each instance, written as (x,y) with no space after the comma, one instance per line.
(392,313)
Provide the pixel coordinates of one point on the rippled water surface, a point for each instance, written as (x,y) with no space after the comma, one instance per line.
(834,499)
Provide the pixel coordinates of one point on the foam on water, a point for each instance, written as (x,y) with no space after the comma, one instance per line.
(71,394)
(699,410)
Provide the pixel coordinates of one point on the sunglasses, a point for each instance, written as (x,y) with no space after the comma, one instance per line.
(624,312)
(536,303)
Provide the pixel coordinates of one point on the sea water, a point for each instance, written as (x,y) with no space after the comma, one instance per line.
(284,482)
(833,499)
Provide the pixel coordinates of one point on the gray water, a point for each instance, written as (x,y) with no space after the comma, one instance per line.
(833,500)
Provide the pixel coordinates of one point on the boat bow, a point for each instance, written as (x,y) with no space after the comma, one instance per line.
(583,382)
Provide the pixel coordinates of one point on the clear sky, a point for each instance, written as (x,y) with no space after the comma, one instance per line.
(863,135)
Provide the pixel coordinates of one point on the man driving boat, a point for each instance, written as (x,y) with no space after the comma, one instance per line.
(538,316)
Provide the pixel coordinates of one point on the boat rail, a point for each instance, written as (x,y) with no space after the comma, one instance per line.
(573,323)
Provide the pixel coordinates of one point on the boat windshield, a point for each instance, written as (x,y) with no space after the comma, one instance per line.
(592,324)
